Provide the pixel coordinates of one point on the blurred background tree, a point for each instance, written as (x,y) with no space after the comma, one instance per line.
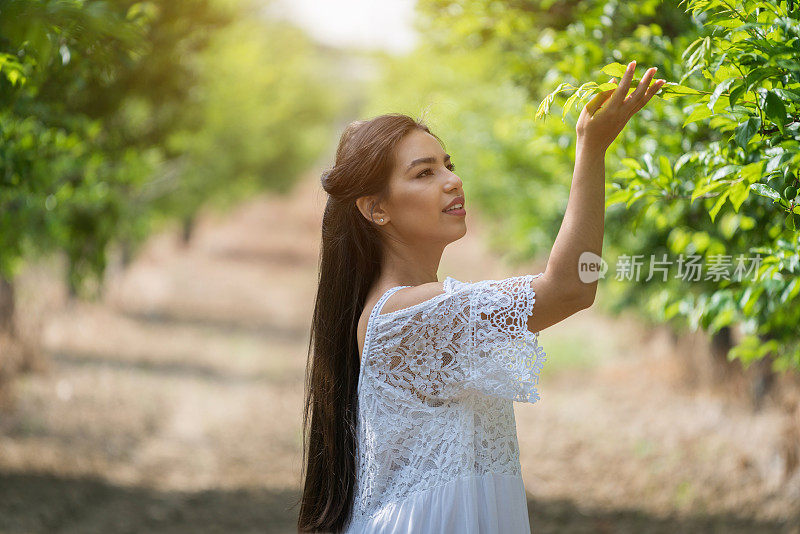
(119,117)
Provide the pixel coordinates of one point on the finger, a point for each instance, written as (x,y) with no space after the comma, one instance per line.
(591,106)
(651,91)
(624,84)
(598,100)
(644,84)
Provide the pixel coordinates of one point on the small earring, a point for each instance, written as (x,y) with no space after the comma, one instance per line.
(381,220)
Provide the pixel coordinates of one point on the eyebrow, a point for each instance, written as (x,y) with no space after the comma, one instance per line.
(429,159)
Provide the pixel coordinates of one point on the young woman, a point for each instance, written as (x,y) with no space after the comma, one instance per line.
(409,422)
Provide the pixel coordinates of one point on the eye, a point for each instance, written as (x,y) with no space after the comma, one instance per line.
(450,166)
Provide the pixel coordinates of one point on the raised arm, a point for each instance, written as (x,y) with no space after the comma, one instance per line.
(560,291)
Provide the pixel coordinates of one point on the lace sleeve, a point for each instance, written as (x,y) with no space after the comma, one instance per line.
(473,337)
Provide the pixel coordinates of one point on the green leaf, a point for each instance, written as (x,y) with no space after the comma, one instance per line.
(677,89)
(587,87)
(722,87)
(631,163)
(637,220)
(723,318)
(615,69)
(698,113)
(665,166)
(724,20)
(746,130)
(635,196)
(756,75)
(621,195)
(649,164)
(683,160)
(568,104)
(790,223)
(765,191)
(736,93)
(626,173)
(691,47)
(791,290)
(724,171)
(718,205)
(739,193)
(752,171)
(697,55)
(777,162)
(750,300)
(786,94)
(544,105)
(746,350)
(702,190)
(775,110)
(672,310)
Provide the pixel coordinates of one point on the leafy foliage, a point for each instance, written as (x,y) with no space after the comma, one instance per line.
(118,117)
(708,168)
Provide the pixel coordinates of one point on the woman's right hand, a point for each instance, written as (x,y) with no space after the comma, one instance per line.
(598,124)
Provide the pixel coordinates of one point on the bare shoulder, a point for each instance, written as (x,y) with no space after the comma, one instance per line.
(411,296)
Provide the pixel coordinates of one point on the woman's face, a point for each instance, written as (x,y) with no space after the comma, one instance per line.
(420,191)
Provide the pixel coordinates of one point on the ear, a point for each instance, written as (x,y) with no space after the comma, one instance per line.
(372,210)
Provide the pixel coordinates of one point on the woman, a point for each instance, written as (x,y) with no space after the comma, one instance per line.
(409,422)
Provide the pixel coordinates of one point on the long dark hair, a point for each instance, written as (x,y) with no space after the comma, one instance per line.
(349,264)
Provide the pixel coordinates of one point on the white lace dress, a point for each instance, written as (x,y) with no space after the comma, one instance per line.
(436,434)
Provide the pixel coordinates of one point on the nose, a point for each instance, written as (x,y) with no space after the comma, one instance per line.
(454,182)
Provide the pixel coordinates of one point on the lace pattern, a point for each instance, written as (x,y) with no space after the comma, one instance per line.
(436,389)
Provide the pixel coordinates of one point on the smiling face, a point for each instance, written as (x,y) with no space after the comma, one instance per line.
(422,185)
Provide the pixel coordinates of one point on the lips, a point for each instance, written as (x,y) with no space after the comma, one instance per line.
(457,200)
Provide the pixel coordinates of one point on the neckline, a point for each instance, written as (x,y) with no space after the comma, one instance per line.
(445,286)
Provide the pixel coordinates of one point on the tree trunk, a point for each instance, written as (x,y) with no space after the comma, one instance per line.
(72,289)
(9,349)
(762,377)
(6,306)
(721,369)
(187,230)
(790,438)
(20,347)
(127,253)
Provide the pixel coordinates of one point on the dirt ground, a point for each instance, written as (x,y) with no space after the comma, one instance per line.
(174,404)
